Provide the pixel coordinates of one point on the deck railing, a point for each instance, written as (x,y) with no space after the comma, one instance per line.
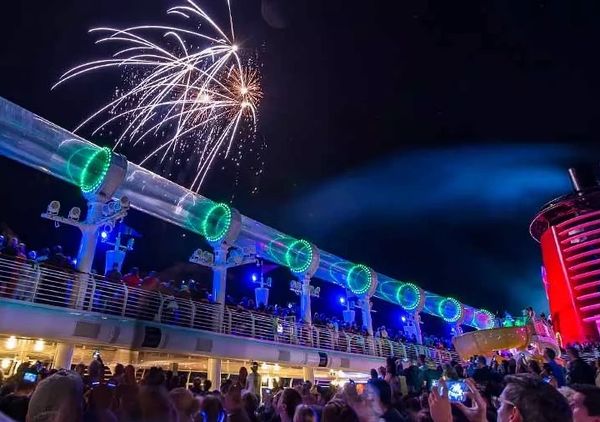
(39,284)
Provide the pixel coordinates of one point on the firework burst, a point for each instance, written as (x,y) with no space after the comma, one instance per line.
(189,96)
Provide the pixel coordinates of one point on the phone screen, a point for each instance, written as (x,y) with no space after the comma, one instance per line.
(457,391)
(29,377)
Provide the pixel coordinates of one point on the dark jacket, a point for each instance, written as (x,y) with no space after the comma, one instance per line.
(580,372)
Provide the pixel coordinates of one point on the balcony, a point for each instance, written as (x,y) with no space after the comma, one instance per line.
(43,286)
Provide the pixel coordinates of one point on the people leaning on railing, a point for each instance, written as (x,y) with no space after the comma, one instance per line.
(171,302)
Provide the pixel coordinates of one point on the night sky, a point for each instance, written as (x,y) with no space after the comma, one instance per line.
(419,138)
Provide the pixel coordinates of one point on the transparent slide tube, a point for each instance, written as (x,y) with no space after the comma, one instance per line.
(42,145)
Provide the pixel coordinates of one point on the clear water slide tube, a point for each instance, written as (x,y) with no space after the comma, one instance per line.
(40,144)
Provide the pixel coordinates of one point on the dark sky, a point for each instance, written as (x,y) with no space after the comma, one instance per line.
(417,137)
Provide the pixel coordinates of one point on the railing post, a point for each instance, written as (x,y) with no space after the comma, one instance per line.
(83,280)
(125,299)
(158,316)
(252,326)
(192,313)
(36,283)
(318,337)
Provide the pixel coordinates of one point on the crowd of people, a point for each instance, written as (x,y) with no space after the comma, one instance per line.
(400,391)
(189,289)
(13,248)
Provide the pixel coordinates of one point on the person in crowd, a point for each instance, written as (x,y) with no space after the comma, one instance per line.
(151,282)
(233,404)
(527,397)
(212,410)
(12,248)
(584,400)
(413,380)
(382,372)
(186,406)
(579,372)
(324,394)
(254,381)
(15,404)
(57,398)
(530,313)
(384,333)
(555,369)
(598,372)
(546,374)
(305,413)
(379,397)
(129,376)
(338,410)
(196,387)
(207,385)
(533,367)
(289,400)
(100,400)
(127,401)
(96,371)
(393,379)
(43,255)
(132,278)
(374,375)
(155,403)
(58,259)
(483,373)
(22,251)
(114,275)
(184,292)
(449,372)
(251,406)
(243,378)
(118,374)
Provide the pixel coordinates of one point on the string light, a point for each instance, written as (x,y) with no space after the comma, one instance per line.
(484,319)
(401,295)
(458,310)
(293,255)
(217,222)
(353,281)
(95,170)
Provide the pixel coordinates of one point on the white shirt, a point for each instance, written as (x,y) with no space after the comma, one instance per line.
(254,383)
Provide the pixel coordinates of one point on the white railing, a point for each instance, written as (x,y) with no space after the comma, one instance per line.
(40,284)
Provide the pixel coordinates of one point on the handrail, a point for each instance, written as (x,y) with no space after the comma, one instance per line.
(40,284)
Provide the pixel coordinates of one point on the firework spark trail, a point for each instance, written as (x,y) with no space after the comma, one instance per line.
(205,96)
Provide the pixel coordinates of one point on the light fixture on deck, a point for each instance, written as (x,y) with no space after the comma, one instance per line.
(11,343)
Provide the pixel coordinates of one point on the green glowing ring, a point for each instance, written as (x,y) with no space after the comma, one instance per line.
(490,317)
(399,296)
(95,170)
(457,315)
(216,222)
(359,290)
(291,255)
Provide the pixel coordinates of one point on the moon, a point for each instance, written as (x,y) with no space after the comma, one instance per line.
(273,13)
